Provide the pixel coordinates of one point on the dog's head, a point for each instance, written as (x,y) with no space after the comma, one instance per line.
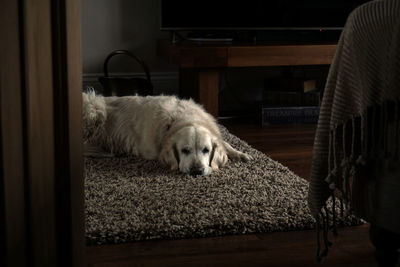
(194,150)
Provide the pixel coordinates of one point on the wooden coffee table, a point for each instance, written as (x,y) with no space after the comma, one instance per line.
(200,62)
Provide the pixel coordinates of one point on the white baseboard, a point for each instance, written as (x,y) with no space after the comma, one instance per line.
(166,83)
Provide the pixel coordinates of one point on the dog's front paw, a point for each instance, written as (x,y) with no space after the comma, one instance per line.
(174,167)
(214,166)
(245,157)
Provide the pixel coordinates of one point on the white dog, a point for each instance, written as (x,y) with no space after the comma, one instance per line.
(176,132)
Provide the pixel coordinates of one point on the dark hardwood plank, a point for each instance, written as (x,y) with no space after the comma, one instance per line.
(295,248)
(291,145)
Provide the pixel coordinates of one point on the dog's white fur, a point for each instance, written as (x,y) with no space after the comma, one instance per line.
(177,132)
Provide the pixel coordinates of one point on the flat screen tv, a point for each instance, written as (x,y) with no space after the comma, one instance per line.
(187,15)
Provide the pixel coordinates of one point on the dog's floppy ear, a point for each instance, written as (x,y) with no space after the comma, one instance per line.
(170,155)
(218,155)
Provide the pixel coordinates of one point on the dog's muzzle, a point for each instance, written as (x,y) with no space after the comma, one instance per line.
(194,171)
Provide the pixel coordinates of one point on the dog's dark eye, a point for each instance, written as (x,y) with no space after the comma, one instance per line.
(185,151)
(205,150)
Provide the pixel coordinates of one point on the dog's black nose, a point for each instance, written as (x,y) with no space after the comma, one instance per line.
(196,171)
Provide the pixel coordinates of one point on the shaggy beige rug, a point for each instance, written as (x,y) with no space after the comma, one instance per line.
(128,199)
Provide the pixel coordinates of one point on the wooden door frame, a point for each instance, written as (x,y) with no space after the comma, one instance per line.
(41,152)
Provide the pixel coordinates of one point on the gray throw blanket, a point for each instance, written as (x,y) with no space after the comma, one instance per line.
(357,138)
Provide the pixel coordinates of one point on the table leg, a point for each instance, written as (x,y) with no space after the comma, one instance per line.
(202,85)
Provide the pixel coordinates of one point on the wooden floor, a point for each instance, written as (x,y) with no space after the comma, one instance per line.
(290,145)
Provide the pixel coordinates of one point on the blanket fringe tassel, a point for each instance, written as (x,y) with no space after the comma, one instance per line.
(373,134)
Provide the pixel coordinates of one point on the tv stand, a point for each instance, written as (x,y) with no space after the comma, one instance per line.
(198,36)
(293,36)
(200,63)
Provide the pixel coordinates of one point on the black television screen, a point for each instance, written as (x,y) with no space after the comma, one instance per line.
(255,14)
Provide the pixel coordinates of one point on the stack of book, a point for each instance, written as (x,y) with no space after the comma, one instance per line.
(290,101)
